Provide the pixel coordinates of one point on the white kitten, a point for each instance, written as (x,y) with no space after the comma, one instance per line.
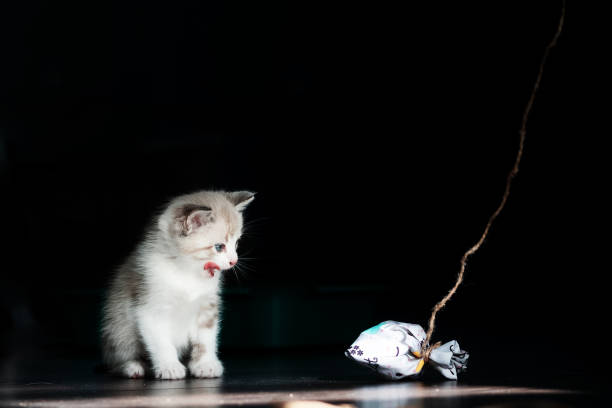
(164,300)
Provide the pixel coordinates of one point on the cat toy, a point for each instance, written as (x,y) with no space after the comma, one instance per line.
(398,350)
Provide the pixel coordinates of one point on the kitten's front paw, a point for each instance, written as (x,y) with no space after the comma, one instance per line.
(170,371)
(206,368)
(133,369)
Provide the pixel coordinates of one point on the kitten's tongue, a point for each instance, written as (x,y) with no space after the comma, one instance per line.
(210,267)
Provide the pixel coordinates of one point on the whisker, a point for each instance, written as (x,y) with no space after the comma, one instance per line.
(236,274)
(243,270)
(246,253)
(246,266)
(243,266)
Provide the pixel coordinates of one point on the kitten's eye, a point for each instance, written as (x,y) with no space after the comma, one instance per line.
(219,247)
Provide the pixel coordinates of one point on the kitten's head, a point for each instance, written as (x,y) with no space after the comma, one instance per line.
(204,227)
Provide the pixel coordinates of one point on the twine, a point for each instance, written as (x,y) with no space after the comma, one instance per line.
(429,349)
(432,320)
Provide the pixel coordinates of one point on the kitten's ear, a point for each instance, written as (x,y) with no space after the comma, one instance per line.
(240,199)
(190,218)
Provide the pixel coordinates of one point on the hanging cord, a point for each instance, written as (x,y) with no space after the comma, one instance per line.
(432,320)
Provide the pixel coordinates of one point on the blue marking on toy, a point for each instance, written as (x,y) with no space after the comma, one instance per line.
(374,330)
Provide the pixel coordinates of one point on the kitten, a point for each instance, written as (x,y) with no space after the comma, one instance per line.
(163,303)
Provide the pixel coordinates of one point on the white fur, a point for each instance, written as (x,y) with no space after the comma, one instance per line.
(162,303)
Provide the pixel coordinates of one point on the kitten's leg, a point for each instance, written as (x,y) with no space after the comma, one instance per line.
(204,362)
(132,369)
(122,357)
(121,347)
(164,357)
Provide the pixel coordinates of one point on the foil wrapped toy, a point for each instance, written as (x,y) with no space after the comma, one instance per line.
(396,350)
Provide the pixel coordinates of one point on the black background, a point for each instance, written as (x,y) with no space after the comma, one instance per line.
(377,136)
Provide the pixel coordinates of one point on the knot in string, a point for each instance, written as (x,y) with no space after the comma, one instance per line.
(428,349)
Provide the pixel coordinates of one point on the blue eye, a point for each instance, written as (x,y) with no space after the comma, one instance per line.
(219,247)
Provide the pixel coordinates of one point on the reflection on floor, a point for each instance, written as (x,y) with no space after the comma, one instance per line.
(284,380)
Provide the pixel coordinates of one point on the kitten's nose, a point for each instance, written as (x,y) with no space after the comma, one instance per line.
(233,262)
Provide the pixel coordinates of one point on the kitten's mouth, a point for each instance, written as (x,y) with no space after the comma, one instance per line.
(211,267)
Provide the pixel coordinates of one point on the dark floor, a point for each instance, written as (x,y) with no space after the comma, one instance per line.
(291,380)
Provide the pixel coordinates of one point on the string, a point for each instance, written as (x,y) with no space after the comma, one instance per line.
(523,131)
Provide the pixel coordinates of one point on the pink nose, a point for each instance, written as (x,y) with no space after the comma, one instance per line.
(233,262)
